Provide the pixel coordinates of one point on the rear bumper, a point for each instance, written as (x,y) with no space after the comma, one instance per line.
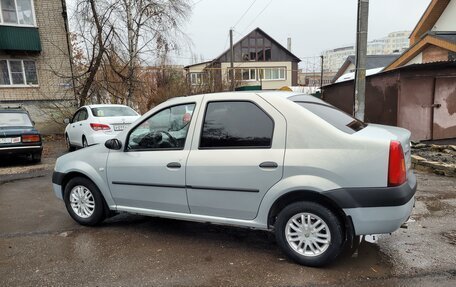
(377,210)
(19,150)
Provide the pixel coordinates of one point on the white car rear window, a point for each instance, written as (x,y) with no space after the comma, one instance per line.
(113,112)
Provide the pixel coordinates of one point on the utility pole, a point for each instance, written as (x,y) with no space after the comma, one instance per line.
(232,59)
(361,51)
(321,76)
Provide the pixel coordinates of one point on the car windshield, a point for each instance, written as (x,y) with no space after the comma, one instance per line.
(113,112)
(334,116)
(15,120)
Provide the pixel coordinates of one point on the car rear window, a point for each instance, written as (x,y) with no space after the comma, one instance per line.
(113,112)
(15,120)
(334,116)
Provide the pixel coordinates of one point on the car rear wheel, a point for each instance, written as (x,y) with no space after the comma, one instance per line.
(84,201)
(309,233)
(36,157)
(69,146)
(84,142)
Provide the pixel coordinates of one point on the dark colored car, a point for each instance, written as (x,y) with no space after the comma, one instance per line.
(18,135)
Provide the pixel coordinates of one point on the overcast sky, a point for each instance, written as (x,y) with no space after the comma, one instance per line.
(313,25)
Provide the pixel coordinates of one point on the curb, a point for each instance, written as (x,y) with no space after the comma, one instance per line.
(4,178)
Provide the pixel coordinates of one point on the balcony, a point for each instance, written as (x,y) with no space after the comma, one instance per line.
(14,38)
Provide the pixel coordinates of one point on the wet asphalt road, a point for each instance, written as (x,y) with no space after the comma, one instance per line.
(40,245)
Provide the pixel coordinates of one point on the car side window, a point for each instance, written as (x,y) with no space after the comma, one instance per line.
(166,129)
(83,115)
(76,116)
(236,124)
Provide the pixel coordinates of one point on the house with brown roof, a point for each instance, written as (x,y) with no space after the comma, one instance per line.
(259,60)
(434,37)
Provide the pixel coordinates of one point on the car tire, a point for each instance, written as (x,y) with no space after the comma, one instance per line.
(309,233)
(36,157)
(84,202)
(84,142)
(70,147)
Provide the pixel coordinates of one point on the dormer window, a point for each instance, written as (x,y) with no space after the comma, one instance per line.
(256,48)
(17,12)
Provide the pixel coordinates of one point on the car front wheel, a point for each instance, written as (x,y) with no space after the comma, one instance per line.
(84,201)
(309,233)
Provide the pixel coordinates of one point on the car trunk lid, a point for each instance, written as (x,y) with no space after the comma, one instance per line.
(390,133)
(117,124)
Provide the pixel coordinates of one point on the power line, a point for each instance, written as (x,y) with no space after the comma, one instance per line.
(194,4)
(261,12)
(253,2)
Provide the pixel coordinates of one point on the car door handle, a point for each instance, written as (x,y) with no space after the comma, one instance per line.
(173,165)
(269,164)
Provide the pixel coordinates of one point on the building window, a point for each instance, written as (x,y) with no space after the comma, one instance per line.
(248,74)
(18,73)
(272,73)
(196,79)
(256,48)
(17,12)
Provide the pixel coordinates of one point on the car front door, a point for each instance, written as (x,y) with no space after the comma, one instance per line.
(236,157)
(149,173)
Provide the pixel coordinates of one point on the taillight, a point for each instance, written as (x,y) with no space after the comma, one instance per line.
(31,138)
(397,173)
(100,127)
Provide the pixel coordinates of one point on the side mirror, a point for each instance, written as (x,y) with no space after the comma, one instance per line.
(114,144)
(67,121)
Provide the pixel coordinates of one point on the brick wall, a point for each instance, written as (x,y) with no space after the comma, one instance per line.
(53,67)
(434,54)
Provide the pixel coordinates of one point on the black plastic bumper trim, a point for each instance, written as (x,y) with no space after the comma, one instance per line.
(374,196)
(57,177)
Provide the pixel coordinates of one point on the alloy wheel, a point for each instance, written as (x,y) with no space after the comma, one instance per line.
(82,201)
(307,234)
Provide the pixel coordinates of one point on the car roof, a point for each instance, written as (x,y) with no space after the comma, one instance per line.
(105,105)
(13,109)
(293,96)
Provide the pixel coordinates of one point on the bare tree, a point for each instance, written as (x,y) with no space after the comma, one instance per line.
(148,29)
(116,40)
(93,35)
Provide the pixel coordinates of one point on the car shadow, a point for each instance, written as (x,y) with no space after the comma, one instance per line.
(16,160)
(367,255)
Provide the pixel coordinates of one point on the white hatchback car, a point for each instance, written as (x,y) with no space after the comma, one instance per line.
(94,124)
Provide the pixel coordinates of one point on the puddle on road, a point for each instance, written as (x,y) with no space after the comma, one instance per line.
(138,239)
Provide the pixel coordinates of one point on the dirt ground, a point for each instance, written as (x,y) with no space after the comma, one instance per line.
(444,154)
(40,245)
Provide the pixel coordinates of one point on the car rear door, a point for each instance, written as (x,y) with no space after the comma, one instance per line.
(236,157)
(74,129)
